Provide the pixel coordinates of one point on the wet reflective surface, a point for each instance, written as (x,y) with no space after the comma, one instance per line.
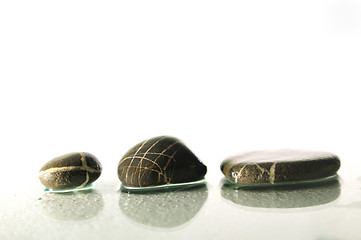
(164,209)
(79,205)
(214,210)
(284,196)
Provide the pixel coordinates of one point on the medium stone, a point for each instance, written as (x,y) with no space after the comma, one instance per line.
(159,161)
(70,171)
(280,166)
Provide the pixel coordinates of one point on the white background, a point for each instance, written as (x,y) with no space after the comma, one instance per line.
(223,76)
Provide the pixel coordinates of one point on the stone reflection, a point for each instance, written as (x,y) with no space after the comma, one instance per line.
(286,196)
(164,209)
(75,206)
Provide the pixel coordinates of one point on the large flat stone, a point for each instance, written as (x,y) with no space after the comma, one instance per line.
(280,166)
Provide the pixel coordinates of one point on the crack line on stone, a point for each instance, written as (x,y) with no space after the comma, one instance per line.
(272,173)
(83,160)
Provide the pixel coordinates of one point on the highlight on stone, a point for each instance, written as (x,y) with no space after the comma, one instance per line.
(70,171)
(282,166)
(160,161)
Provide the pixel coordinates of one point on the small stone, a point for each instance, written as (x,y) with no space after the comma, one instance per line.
(74,170)
(282,166)
(159,161)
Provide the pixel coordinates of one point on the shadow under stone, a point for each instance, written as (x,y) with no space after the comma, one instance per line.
(284,196)
(164,209)
(72,205)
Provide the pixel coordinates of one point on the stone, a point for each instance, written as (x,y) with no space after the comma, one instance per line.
(282,166)
(73,170)
(160,161)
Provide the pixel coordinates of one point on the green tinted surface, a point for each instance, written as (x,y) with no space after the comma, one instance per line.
(69,190)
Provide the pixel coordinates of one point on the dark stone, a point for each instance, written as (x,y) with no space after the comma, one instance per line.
(283,166)
(159,161)
(70,171)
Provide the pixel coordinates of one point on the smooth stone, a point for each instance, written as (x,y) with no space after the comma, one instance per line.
(159,161)
(73,170)
(282,166)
